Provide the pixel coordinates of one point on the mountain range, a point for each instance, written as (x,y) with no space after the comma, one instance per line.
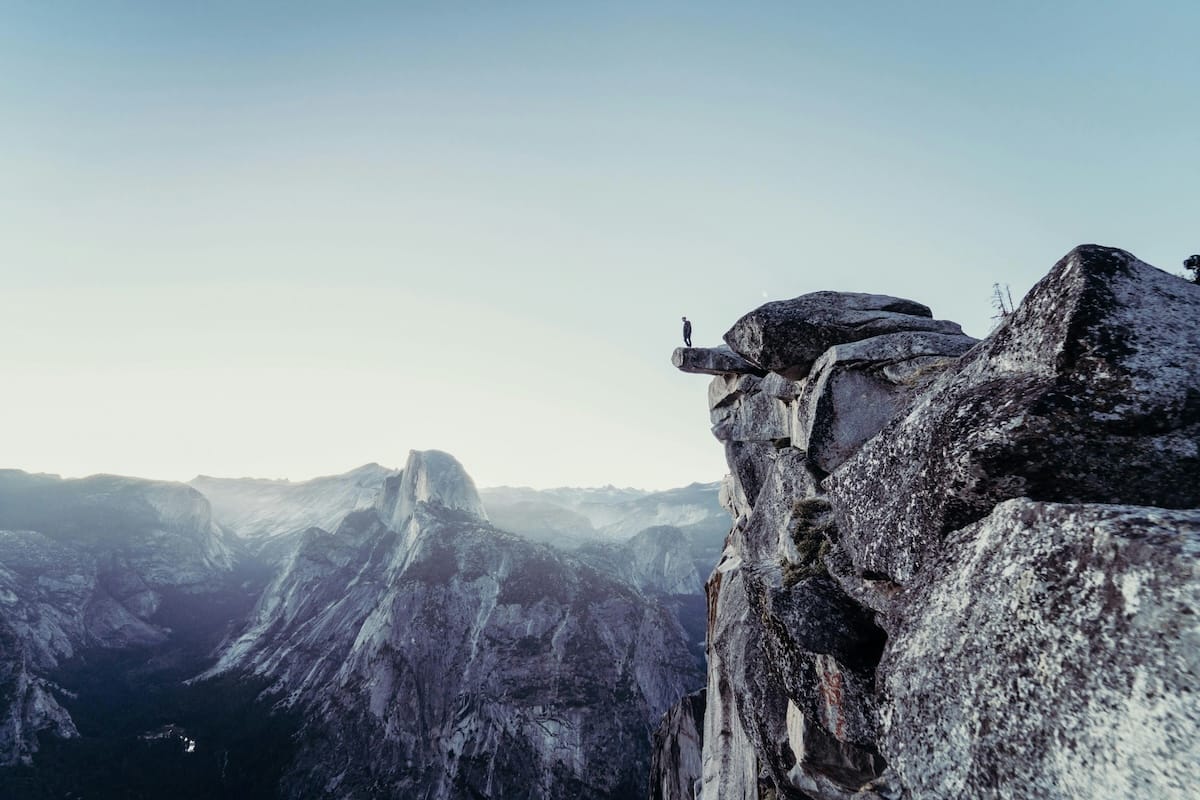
(375,632)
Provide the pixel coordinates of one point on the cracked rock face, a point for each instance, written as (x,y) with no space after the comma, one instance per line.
(995,592)
(855,389)
(1090,392)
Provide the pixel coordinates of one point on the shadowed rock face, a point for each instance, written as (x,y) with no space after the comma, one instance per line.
(957,610)
(442,658)
(788,336)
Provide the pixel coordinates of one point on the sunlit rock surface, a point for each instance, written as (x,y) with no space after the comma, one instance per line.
(959,610)
(1053,649)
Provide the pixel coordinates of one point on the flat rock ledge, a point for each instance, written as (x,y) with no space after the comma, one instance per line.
(712,361)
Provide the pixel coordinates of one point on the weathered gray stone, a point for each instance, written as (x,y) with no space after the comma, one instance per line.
(676,763)
(749,463)
(1051,652)
(712,361)
(1046,650)
(787,336)
(428,475)
(749,414)
(822,645)
(855,389)
(1089,392)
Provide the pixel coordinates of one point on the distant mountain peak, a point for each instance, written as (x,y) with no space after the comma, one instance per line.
(429,476)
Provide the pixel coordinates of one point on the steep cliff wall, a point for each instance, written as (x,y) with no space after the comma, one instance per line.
(958,569)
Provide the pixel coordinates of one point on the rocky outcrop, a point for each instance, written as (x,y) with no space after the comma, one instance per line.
(788,336)
(86,564)
(928,591)
(440,657)
(855,389)
(29,703)
(712,361)
(1090,392)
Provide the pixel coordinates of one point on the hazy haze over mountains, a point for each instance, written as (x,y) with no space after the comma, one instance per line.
(336,609)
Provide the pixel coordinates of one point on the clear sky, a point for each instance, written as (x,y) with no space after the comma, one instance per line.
(286,238)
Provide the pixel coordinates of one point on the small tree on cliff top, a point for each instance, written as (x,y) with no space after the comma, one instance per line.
(1192,263)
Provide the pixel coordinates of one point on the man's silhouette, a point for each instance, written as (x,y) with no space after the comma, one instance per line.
(687,332)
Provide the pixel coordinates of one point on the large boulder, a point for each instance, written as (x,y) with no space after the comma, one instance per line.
(1051,652)
(747,408)
(855,389)
(788,336)
(1089,392)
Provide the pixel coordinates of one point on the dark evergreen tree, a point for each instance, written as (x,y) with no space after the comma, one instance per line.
(1192,263)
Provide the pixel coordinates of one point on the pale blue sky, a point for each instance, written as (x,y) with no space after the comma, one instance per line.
(283,239)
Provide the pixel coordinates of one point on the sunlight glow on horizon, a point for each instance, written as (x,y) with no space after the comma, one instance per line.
(281,240)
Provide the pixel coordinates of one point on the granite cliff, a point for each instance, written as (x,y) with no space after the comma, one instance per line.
(956,569)
(433,655)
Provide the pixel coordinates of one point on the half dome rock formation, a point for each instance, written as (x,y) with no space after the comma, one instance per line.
(432,655)
(960,569)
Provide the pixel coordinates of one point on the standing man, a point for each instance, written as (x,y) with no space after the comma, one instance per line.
(687,332)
